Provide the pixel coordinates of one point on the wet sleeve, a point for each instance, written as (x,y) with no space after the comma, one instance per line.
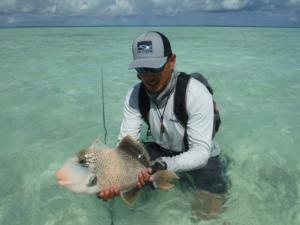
(132,119)
(199,130)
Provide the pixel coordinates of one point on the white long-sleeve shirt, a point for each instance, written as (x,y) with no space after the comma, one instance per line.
(199,105)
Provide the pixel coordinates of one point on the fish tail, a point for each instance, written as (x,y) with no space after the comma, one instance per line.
(163,178)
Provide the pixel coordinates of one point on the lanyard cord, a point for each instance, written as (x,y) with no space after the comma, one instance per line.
(161,115)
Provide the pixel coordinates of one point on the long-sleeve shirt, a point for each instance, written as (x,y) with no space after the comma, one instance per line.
(199,105)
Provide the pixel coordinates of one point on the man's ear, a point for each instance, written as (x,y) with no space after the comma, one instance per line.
(172,61)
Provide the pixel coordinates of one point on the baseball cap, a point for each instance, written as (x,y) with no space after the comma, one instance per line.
(151,50)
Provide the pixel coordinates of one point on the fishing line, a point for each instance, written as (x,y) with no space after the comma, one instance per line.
(110,208)
(111,211)
(103,104)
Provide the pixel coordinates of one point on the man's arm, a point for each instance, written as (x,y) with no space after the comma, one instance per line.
(199,130)
(132,119)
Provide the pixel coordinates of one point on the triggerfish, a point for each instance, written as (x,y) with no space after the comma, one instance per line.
(99,168)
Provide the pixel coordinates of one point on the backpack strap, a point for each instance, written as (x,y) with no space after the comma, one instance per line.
(180,104)
(180,97)
(144,104)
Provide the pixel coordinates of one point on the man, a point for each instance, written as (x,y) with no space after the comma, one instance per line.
(198,155)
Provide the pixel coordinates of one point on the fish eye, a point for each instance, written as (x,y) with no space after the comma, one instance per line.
(84,164)
(92,181)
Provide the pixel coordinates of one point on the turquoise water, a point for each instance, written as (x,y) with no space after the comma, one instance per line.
(50,100)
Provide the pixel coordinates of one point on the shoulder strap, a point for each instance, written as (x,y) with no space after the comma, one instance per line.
(180,102)
(180,97)
(144,103)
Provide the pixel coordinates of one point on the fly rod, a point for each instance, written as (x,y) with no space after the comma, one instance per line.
(110,209)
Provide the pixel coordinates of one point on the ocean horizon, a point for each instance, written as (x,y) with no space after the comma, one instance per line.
(65,26)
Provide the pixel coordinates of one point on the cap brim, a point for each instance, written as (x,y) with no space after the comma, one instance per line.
(148,62)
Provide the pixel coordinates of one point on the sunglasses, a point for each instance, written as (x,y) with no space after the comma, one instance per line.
(149,70)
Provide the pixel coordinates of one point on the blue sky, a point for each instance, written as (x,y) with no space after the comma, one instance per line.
(282,13)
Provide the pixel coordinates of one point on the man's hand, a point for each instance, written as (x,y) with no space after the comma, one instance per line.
(144,177)
(109,194)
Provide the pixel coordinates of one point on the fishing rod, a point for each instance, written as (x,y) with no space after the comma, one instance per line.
(110,209)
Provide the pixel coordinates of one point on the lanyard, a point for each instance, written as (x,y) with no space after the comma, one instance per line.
(161,115)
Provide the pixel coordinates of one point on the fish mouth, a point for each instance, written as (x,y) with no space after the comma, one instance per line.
(63,182)
(72,173)
(61,179)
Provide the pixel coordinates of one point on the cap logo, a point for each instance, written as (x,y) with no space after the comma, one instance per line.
(144,47)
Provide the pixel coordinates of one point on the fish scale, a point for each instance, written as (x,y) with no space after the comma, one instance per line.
(113,168)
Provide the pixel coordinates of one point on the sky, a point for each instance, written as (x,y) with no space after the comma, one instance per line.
(275,13)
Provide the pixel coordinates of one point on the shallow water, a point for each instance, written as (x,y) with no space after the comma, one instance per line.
(50,100)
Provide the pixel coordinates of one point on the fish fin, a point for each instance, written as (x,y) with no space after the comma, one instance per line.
(162,179)
(129,197)
(133,148)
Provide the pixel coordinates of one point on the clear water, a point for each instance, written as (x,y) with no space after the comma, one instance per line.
(50,100)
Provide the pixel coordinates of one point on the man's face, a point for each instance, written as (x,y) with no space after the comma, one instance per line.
(155,82)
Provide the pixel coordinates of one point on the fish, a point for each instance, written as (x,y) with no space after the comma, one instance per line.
(95,169)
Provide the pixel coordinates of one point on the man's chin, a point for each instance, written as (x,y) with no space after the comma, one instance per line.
(154,88)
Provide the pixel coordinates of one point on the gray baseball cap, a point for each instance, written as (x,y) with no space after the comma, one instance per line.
(151,50)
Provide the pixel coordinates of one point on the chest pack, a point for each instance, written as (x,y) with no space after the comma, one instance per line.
(180,110)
